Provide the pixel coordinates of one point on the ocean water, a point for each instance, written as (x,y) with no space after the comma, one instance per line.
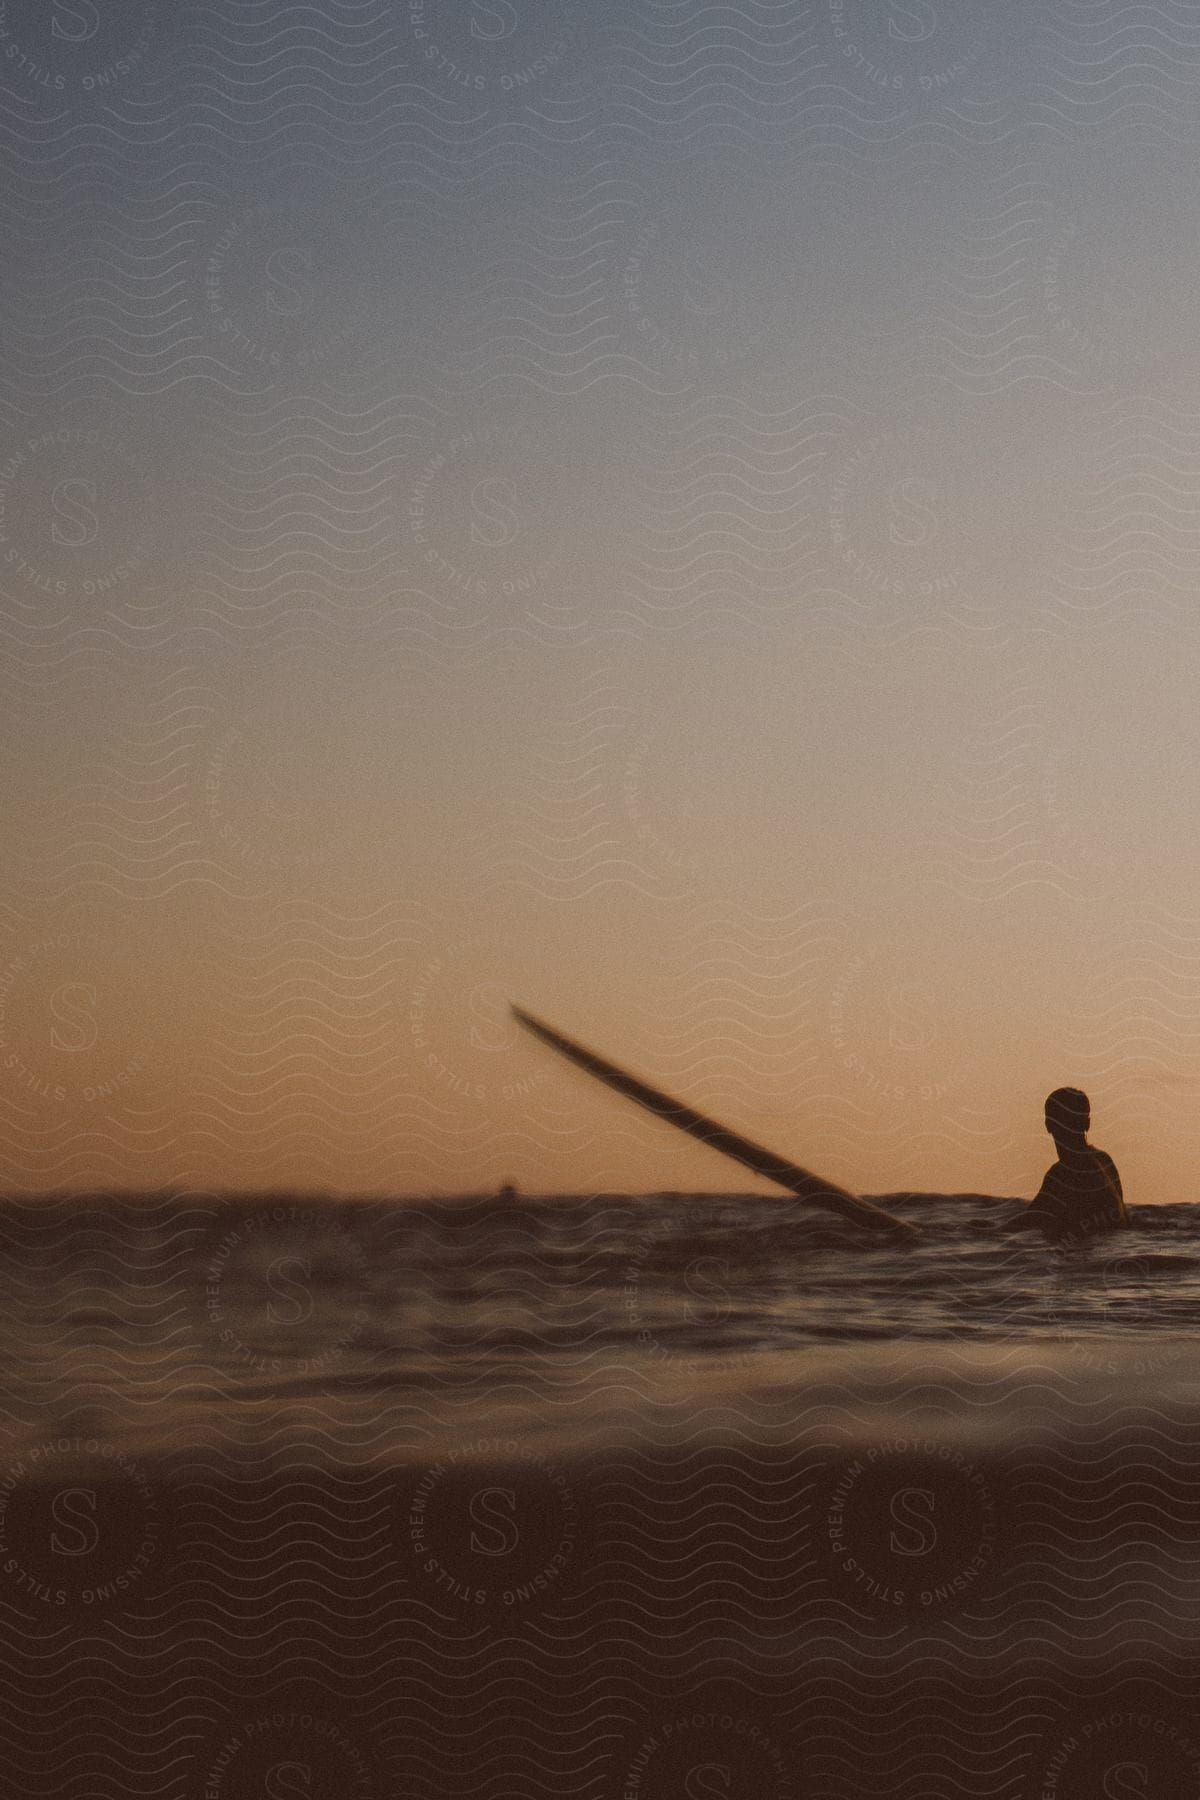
(161,1319)
(601,1495)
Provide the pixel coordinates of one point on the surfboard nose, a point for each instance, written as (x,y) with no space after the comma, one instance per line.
(798,1181)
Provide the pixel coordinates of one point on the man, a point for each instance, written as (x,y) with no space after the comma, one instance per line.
(1081,1192)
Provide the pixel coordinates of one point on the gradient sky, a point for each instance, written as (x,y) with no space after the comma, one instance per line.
(685,515)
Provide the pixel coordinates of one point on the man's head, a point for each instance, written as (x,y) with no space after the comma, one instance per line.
(1068,1115)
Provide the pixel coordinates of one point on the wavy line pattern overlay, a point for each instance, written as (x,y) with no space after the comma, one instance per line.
(683,514)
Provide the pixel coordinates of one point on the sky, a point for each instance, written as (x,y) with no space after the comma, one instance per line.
(686,516)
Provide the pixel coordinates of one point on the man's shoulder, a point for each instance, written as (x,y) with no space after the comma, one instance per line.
(1050,1196)
(1108,1169)
(1106,1162)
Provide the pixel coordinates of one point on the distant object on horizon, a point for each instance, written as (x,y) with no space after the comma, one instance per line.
(509,1191)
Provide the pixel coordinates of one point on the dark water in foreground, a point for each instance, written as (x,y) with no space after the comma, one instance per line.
(670,1497)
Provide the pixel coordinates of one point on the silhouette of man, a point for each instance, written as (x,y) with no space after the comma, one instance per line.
(1081,1192)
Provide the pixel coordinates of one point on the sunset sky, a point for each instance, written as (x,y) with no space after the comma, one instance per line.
(685,516)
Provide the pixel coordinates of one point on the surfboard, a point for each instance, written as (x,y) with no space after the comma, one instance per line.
(752,1156)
